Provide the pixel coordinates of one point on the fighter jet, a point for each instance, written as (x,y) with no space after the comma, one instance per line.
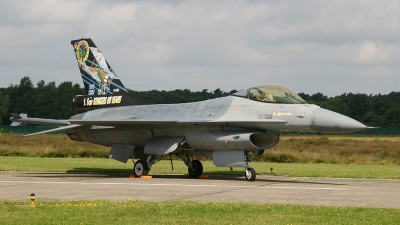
(228,129)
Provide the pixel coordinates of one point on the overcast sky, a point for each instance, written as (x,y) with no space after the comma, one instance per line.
(332,47)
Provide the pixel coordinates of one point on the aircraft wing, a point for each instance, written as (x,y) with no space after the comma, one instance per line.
(156,123)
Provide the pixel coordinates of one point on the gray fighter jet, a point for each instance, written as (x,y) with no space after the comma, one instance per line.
(228,129)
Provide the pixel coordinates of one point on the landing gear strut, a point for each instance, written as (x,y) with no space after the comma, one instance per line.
(250,172)
(143,166)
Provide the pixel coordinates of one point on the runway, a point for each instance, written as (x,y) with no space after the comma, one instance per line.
(266,189)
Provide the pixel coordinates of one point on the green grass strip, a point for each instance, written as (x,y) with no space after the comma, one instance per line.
(184,212)
(79,165)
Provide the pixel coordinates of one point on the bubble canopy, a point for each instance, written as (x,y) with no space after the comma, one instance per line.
(271,94)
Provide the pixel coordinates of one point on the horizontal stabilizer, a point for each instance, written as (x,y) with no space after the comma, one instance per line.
(54,130)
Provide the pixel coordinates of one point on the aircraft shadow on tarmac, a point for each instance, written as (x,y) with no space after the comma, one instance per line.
(124,173)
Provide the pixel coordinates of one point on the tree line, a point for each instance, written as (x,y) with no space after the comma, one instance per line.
(47,100)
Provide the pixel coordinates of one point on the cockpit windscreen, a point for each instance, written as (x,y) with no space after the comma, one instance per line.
(271,94)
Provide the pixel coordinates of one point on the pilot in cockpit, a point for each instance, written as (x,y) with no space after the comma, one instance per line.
(268,98)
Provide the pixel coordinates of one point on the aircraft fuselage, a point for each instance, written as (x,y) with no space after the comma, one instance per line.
(227,113)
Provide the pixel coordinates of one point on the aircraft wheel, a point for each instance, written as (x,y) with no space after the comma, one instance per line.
(197,169)
(141,168)
(250,174)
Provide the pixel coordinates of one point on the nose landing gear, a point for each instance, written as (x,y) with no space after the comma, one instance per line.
(250,173)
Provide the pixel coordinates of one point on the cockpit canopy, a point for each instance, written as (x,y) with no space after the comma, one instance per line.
(271,94)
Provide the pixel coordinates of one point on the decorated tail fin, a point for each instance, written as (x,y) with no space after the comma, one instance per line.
(103,87)
(98,76)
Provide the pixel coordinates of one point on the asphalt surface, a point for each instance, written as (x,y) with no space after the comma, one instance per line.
(265,189)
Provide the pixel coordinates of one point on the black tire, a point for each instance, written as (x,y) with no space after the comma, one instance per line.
(250,174)
(197,169)
(141,168)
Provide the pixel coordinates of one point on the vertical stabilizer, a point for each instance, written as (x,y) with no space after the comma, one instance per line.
(97,75)
(103,87)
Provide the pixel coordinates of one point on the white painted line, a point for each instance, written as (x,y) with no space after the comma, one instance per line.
(180,185)
(307,188)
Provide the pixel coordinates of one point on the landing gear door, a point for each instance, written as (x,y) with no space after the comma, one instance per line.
(162,145)
(229,158)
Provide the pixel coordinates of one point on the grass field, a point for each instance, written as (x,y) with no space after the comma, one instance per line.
(79,165)
(312,156)
(335,150)
(308,156)
(291,149)
(139,212)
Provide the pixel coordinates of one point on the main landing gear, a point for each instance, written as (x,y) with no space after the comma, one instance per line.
(142,167)
(195,167)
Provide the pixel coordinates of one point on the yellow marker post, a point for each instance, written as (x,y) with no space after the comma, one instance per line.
(272,171)
(32,198)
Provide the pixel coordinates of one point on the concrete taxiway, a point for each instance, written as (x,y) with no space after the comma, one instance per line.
(266,189)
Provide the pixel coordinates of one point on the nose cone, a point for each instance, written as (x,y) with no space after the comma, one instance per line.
(323,120)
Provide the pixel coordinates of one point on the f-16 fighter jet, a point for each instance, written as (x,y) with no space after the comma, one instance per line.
(228,129)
